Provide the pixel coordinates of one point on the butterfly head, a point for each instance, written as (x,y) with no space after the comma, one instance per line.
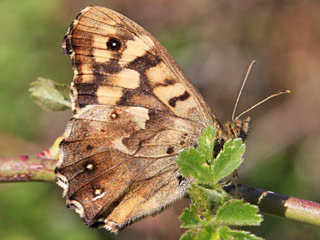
(236,129)
(232,129)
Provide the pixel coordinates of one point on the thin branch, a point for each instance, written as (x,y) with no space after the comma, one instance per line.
(25,168)
(279,205)
(40,168)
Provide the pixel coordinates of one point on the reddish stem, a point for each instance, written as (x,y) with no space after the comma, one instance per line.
(27,168)
(279,205)
(41,168)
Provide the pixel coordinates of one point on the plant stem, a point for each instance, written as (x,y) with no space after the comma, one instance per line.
(279,205)
(25,168)
(40,168)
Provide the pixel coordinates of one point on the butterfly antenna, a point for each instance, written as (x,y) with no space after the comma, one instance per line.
(241,89)
(264,100)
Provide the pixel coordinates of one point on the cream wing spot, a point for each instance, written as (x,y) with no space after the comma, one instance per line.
(177,98)
(134,48)
(82,39)
(127,78)
(99,51)
(185,106)
(118,145)
(159,73)
(108,95)
(74,92)
(101,56)
(74,96)
(86,79)
(139,115)
(147,40)
(84,69)
(165,93)
(75,70)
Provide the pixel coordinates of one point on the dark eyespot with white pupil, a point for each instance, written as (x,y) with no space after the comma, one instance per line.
(113,44)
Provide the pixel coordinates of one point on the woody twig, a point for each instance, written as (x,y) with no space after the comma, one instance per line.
(279,205)
(23,168)
(40,168)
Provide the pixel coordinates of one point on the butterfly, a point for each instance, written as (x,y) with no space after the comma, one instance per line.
(134,110)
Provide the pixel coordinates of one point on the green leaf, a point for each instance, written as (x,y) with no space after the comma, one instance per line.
(211,208)
(228,159)
(236,212)
(208,233)
(206,142)
(227,233)
(188,235)
(199,197)
(190,219)
(205,234)
(49,95)
(192,163)
(205,199)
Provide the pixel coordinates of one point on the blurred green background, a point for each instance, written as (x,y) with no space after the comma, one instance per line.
(214,42)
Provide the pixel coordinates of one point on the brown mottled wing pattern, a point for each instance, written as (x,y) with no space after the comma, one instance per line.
(134,110)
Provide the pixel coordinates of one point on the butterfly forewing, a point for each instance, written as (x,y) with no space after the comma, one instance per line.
(134,110)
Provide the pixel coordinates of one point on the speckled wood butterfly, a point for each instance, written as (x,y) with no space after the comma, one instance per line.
(133,111)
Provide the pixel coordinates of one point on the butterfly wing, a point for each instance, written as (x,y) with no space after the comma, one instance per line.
(134,110)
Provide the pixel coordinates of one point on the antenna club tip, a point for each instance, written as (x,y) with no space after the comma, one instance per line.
(287,91)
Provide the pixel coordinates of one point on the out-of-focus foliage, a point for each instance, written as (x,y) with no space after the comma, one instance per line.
(213,41)
(50,95)
(30,46)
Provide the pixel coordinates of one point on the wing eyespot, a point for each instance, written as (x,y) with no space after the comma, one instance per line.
(98,191)
(114,44)
(90,166)
(114,115)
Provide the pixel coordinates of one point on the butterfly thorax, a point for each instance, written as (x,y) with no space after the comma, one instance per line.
(229,130)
